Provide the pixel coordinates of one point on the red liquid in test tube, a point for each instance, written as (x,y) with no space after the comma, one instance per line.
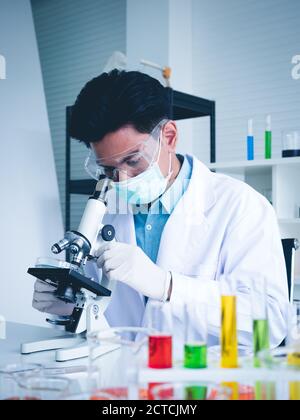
(160,351)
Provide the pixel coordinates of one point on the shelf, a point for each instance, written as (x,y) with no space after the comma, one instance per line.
(187,106)
(289,221)
(262,163)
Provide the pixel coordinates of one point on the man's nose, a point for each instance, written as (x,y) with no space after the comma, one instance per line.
(122,176)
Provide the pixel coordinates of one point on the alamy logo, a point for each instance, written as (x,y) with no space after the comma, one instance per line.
(2,67)
(296,68)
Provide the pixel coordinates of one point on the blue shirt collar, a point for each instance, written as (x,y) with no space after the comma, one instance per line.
(169,199)
(173,194)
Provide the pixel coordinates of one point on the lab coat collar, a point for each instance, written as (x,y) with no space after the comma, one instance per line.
(173,194)
(188,222)
(199,196)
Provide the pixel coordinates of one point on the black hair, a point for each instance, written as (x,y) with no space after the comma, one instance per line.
(113,100)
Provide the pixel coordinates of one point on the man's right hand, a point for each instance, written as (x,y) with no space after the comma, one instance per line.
(45,301)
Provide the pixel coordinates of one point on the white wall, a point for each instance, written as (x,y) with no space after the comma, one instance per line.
(161,31)
(242,58)
(75,39)
(147,34)
(181,62)
(30,217)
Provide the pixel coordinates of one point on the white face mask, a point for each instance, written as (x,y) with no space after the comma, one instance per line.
(146,187)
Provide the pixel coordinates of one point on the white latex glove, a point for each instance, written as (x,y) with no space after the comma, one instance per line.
(45,301)
(130,265)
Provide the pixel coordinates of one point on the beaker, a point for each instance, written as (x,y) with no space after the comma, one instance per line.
(291,143)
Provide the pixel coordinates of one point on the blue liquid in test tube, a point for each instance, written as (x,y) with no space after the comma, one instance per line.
(250,141)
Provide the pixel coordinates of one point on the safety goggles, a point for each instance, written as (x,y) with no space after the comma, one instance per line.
(128,164)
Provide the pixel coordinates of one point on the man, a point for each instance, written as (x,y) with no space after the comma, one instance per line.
(184,228)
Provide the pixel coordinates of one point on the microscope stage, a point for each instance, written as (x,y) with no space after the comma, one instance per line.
(68,277)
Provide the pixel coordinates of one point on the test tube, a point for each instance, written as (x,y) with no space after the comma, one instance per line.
(268,138)
(261,336)
(195,347)
(229,341)
(160,338)
(250,141)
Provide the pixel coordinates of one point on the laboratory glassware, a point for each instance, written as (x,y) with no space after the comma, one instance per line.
(229,340)
(195,346)
(160,338)
(261,336)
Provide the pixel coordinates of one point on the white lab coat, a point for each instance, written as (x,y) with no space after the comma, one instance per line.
(220,226)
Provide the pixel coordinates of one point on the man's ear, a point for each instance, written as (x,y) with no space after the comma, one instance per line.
(170,134)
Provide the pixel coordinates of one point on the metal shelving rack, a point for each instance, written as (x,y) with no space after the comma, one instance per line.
(182,107)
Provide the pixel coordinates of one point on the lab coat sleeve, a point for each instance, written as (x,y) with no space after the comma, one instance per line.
(251,246)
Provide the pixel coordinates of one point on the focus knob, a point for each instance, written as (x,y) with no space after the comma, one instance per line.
(108,233)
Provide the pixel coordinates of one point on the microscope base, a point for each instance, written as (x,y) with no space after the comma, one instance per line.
(82,350)
(51,344)
(67,348)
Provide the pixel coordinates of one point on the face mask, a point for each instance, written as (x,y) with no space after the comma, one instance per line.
(146,187)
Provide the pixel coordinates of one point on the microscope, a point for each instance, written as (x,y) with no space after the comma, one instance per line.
(89,298)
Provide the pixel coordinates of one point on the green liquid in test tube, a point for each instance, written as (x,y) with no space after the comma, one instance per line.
(261,340)
(195,344)
(268,138)
(261,336)
(195,356)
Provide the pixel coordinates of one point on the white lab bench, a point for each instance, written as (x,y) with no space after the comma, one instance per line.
(107,365)
(19,333)
(10,351)
(16,334)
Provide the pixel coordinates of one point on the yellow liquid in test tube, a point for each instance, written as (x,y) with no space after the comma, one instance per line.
(294,360)
(294,391)
(229,342)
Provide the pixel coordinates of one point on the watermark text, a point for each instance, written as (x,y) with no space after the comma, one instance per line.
(2,67)
(296,68)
